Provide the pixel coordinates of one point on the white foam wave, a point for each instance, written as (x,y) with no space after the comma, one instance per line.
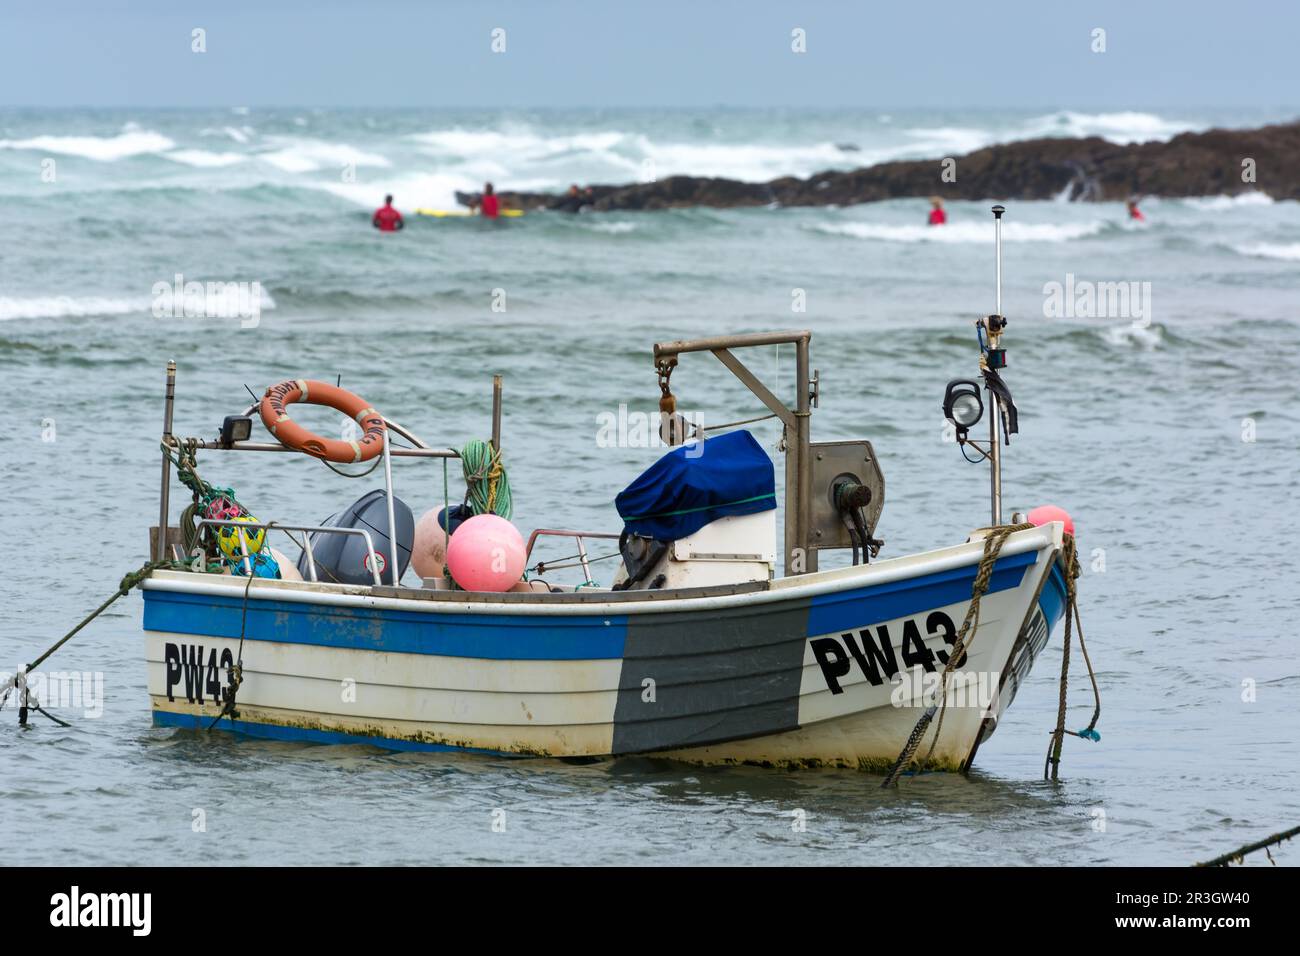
(1132,335)
(69,306)
(614,228)
(204,159)
(469,145)
(962,231)
(309,155)
(59,306)
(606,153)
(1252,198)
(240,134)
(103,148)
(1289,251)
(1122,127)
(945,140)
(431,190)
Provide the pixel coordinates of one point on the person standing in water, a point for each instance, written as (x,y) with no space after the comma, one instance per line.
(1134,212)
(489,204)
(937,216)
(386,218)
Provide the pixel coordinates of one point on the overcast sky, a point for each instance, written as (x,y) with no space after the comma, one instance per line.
(403,53)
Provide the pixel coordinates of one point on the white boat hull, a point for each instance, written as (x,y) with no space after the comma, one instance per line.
(820,669)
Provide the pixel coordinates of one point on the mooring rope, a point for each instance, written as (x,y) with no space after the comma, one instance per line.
(124,587)
(993,542)
(236,671)
(1052,765)
(182,456)
(1237,855)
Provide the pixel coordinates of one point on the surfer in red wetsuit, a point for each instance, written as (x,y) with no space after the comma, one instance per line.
(386,218)
(937,216)
(489,204)
(1134,212)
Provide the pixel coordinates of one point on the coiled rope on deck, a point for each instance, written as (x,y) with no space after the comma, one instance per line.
(203,494)
(487,486)
(993,542)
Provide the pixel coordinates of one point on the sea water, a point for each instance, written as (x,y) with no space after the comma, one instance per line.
(1170,435)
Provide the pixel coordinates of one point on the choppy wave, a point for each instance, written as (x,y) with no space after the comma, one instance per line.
(1270,250)
(70,306)
(634,156)
(1132,335)
(204,159)
(492,152)
(1251,198)
(241,135)
(962,231)
(310,155)
(102,148)
(1123,127)
(62,306)
(614,228)
(432,190)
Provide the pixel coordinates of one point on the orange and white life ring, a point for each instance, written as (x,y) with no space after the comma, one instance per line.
(275,416)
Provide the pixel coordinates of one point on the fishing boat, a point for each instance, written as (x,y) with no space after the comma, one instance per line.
(693,648)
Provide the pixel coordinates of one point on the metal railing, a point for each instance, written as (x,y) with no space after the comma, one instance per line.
(305,544)
(579,537)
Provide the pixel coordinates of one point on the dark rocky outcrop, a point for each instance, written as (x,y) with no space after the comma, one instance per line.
(1192,164)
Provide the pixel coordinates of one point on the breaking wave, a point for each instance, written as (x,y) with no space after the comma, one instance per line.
(1289,251)
(69,306)
(102,148)
(962,231)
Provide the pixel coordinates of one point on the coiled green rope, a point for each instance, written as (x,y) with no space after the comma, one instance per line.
(487,486)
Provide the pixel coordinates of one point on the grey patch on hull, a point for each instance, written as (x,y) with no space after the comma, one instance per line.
(715,678)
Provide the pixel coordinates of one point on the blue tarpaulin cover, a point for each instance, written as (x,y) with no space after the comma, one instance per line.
(692,486)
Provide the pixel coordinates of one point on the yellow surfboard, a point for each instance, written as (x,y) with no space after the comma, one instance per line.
(449,213)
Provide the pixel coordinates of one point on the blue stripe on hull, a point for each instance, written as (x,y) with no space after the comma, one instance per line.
(886,602)
(490,636)
(162,718)
(1052,597)
(526,637)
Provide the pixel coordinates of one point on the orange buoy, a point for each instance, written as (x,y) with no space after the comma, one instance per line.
(275,416)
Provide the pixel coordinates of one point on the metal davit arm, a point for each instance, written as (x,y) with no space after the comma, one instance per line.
(800,557)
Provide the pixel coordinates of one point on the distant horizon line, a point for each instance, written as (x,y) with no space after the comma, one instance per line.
(234,107)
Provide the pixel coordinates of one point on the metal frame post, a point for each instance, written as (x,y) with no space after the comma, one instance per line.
(797,422)
(496,414)
(392,520)
(164,498)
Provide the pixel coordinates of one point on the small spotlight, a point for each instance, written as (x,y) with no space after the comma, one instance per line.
(962,405)
(235,429)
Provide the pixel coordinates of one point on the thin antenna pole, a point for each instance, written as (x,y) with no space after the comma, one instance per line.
(997,243)
(995,448)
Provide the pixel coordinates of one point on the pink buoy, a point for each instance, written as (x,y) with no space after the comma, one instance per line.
(1044,514)
(486,554)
